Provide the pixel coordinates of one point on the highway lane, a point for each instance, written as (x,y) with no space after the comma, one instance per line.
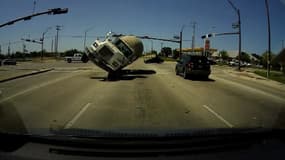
(243,103)
(151,97)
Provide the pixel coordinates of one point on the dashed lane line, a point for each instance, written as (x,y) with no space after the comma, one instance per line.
(76,117)
(218,116)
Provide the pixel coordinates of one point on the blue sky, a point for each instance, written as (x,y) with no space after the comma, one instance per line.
(157,18)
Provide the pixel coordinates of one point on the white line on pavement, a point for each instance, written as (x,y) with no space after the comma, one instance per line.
(218,116)
(75,118)
(35,88)
(248,88)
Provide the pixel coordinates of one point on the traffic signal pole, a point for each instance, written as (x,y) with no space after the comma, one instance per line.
(53,11)
(180,44)
(239,39)
(269,39)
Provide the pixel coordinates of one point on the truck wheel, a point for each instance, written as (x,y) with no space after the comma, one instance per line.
(69,60)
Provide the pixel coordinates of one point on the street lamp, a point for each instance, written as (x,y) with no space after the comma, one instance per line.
(85,33)
(239,31)
(180,39)
(42,42)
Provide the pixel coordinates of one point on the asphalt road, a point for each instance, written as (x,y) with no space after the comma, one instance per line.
(147,96)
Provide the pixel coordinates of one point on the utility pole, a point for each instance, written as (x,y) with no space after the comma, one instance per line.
(161,45)
(51,49)
(0,50)
(193,36)
(9,49)
(34,6)
(269,39)
(56,44)
(84,45)
(42,55)
(151,46)
(24,50)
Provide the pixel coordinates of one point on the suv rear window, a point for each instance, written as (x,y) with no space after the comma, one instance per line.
(195,59)
(199,59)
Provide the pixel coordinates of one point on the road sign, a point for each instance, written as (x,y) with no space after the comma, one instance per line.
(207,44)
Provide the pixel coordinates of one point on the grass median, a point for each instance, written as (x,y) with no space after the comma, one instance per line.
(274,75)
(168,59)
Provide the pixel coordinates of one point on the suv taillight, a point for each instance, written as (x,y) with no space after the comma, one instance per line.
(190,64)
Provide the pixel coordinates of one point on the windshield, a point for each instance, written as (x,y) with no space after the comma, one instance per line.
(45,85)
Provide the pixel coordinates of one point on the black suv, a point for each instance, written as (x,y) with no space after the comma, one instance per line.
(193,65)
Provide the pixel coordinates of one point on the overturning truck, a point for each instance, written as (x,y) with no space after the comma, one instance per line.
(113,54)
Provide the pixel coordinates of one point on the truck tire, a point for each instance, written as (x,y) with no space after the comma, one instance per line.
(69,60)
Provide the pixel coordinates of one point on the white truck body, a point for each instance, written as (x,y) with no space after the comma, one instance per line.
(113,55)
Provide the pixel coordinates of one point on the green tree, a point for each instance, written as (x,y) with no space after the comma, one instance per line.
(166,51)
(153,52)
(244,57)
(274,64)
(2,56)
(224,54)
(35,53)
(175,54)
(280,59)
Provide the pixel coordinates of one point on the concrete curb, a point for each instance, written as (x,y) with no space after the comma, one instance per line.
(26,75)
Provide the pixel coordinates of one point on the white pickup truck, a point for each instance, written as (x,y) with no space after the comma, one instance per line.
(75,58)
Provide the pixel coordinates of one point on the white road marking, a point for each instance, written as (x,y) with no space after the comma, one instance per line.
(218,116)
(35,88)
(75,118)
(248,88)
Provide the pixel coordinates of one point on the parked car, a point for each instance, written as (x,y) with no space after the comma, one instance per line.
(77,57)
(8,62)
(212,62)
(233,63)
(193,65)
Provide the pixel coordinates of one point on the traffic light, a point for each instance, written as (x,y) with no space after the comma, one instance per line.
(59,10)
(208,35)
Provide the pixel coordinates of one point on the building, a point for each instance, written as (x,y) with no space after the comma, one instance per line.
(197,51)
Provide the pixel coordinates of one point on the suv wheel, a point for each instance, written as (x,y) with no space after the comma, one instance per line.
(176,71)
(185,75)
(69,60)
